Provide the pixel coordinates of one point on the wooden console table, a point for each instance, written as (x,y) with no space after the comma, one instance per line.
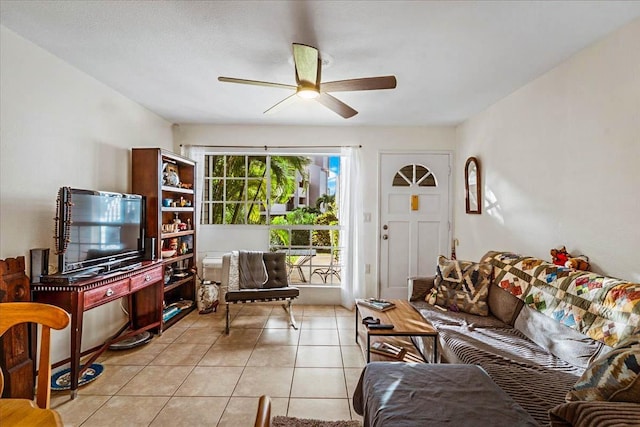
(142,285)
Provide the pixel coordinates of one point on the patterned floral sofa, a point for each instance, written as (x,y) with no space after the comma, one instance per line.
(564,344)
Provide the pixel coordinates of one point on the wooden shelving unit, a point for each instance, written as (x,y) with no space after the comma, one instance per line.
(149,178)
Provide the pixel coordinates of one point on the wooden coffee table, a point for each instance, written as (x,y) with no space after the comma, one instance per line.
(406,321)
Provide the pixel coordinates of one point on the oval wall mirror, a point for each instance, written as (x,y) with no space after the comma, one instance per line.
(472,186)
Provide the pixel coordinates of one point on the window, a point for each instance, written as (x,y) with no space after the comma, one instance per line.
(295,196)
(411,175)
(235,189)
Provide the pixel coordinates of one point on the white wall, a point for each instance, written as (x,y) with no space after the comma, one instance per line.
(61,127)
(560,160)
(372,139)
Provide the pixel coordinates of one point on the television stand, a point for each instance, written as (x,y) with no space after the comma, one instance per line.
(142,285)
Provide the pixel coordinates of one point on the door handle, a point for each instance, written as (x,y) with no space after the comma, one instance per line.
(385,237)
(384,227)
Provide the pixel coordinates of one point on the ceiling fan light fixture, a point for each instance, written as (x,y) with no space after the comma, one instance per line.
(307,92)
(308,64)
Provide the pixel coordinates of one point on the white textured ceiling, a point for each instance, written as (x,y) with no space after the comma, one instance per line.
(452,59)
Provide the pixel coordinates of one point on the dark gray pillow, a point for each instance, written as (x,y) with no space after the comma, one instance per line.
(503,304)
(558,339)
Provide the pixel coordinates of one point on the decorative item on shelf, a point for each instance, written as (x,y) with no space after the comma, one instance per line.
(189,224)
(175,308)
(167,202)
(184,249)
(173,244)
(168,253)
(186,186)
(170,175)
(168,272)
(182,265)
(183,202)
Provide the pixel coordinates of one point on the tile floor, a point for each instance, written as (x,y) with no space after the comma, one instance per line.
(194,375)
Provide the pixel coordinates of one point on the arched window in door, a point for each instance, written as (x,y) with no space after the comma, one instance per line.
(414,175)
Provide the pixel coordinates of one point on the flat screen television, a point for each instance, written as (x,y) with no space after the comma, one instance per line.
(98,229)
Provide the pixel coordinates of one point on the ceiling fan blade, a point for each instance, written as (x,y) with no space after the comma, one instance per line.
(335,105)
(306,60)
(255,83)
(367,83)
(280,105)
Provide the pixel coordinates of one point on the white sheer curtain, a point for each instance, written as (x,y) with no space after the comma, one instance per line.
(351,218)
(197,155)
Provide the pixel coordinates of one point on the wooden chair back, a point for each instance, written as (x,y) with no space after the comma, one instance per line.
(48,316)
(263,415)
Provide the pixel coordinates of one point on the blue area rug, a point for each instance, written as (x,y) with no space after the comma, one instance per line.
(62,380)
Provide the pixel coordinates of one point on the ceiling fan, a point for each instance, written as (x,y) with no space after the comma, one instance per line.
(308,67)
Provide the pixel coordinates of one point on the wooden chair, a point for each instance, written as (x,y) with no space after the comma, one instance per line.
(24,410)
(263,416)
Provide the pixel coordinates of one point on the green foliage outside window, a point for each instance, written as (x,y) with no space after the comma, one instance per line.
(236,190)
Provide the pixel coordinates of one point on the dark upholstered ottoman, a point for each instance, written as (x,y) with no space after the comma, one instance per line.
(405,394)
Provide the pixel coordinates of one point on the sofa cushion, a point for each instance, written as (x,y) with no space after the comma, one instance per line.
(463,285)
(419,287)
(533,377)
(613,377)
(503,305)
(561,341)
(277,270)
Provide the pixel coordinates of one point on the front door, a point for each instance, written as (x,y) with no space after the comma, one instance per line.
(414,217)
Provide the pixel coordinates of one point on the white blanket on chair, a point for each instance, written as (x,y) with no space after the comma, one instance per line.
(234,273)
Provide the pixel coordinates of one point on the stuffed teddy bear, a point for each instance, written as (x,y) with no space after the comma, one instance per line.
(578,263)
(560,256)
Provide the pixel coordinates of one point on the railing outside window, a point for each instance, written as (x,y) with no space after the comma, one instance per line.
(313,254)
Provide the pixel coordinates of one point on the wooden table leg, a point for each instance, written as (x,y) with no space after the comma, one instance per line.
(77,315)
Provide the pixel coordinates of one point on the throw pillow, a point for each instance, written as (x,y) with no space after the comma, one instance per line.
(463,285)
(420,287)
(615,377)
(503,304)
